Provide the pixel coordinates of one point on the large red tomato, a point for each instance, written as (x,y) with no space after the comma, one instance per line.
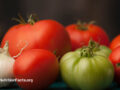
(38,65)
(82,33)
(44,34)
(115,42)
(115,59)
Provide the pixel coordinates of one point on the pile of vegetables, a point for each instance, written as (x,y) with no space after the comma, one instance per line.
(41,50)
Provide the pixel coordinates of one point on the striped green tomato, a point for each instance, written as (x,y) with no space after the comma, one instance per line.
(83,69)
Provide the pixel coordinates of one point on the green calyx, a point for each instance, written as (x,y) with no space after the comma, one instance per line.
(83,26)
(88,51)
(31,19)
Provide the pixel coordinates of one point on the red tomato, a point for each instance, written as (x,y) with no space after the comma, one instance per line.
(81,34)
(115,42)
(115,59)
(39,65)
(44,34)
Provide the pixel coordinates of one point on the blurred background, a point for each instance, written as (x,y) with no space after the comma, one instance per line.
(106,13)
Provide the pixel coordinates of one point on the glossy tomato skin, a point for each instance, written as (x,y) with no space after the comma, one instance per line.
(115,59)
(80,38)
(115,42)
(86,73)
(39,65)
(44,34)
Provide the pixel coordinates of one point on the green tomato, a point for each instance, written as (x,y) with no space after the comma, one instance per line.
(86,70)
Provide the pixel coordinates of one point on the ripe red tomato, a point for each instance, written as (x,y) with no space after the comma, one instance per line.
(44,34)
(115,42)
(115,59)
(81,34)
(39,65)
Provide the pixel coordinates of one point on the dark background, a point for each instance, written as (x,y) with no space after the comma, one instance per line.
(106,13)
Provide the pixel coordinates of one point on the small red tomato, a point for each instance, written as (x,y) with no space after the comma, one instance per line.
(115,42)
(43,34)
(80,34)
(39,65)
(115,59)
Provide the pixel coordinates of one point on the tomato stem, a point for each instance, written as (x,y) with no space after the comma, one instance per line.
(81,26)
(92,22)
(88,51)
(94,45)
(31,19)
(20,19)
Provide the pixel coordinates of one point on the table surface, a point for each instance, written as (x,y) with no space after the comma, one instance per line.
(59,86)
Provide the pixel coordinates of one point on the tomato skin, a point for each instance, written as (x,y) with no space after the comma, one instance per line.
(37,64)
(80,38)
(115,42)
(44,34)
(115,59)
(86,73)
